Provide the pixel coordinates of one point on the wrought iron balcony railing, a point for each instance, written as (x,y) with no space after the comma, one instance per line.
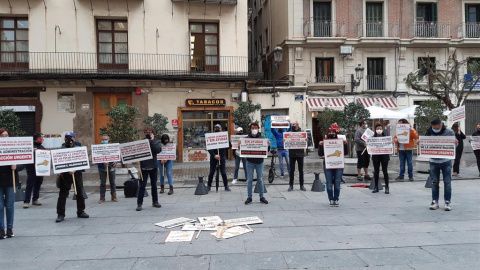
(209,1)
(469,30)
(376,82)
(378,29)
(430,30)
(318,28)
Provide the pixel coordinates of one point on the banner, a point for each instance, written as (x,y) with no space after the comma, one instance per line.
(403,133)
(234,139)
(217,140)
(458,113)
(437,147)
(380,145)
(169,152)
(42,162)
(136,151)
(295,140)
(367,134)
(253,148)
(16,150)
(279,121)
(70,159)
(334,155)
(475,142)
(103,153)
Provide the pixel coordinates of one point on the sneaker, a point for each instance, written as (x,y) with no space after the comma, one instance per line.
(359,178)
(25,206)
(37,203)
(248,200)
(227,188)
(209,188)
(448,207)
(337,204)
(83,215)
(60,218)
(332,203)
(367,177)
(290,188)
(302,188)
(2,234)
(399,178)
(102,200)
(139,207)
(156,205)
(10,233)
(282,175)
(410,178)
(263,200)
(234,181)
(434,205)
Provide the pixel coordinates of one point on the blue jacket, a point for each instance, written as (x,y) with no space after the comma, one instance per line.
(278,137)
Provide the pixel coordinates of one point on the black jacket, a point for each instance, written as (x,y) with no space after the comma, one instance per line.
(222,152)
(6,178)
(31,167)
(152,163)
(460,137)
(385,157)
(296,152)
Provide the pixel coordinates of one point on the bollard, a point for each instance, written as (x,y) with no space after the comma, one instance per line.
(201,188)
(372,184)
(429,183)
(257,188)
(317,185)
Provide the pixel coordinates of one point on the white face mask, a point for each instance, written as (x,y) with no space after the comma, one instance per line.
(254,132)
(379,131)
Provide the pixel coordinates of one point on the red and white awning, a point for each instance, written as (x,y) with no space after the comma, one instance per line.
(319,104)
(387,103)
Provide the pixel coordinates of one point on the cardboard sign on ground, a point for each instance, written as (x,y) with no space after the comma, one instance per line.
(244,221)
(43,159)
(437,147)
(334,154)
(380,145)
(104,153)
(135,151)
(199,227)
(70,159)
(169,152)
(217,140)
(295,140)
(180,236)
(403,133)
(167,224)
(253,148)
(279,121)
(210,220)
(16,150)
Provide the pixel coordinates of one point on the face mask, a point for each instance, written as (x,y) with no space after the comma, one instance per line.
(217,130)
(165,142)
(69,143)
(366,126)
(379,131)
(436,130)
(104,141)
(41,140)
(331,136)
(254,132)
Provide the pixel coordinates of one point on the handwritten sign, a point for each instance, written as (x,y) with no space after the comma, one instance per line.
(135,151)
(103,153)
(403,133)
(235,139)
(475,142)
(16,150)
(253,148)
(334,154)
(437,147)
(279,121)
(295,140)
(458,113)
(169,152)
(216,140)
(367,134)
(70,159)
(380,145)
(42,162)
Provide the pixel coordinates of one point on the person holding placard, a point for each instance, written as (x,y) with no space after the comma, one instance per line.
(281,151)
(216,156)
(363,158)
(102,171)
(405,151)
(296,155)
(149,169)
(380,160)
(476,151)
(34,182)
(239,131)
(165,167)
(458,152)
(7,195)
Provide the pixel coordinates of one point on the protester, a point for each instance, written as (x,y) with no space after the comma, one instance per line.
(218,156)
(7,196)
(239,131)
(405,152)
(65,184)
(281,151)
(440,164)
(149,169)
(333,176)
(102,172)
(458,152)
(34,182)
(296,155)
(165,167)
(363,158)
(380,159)
(255,164)
(477,152)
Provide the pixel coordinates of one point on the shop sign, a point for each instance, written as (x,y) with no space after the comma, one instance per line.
(175,123)
(211,102)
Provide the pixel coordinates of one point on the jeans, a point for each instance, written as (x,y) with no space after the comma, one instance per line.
(34,183)
(402,156)
(103,182)
(66,181)
(334,178)
(165,168)
(237,166)
(143,184)
(458,156)
(299,160)
(7,200)
(376,168)
(283,153)
(446,168)
(259,169)
(223,172)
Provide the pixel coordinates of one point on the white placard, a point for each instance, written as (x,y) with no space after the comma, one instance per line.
(458,113)
(279,121)
(104,153)
(475,142)
(334,154)
(437,147)
(43,164)
(343,137)
(244,221)
(16,150)
(367,134)
(135,151)
(235,231)
(295,140)
(199,226)
(70,159)
(169,152)
(253,148)
(380,145)
(217,140)
(180,236)
(234,139)
(403,133)
(210,220)
(174,222)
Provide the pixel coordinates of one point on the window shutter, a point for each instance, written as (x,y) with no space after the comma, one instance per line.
(434,12)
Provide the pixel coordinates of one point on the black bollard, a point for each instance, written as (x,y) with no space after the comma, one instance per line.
(257,188)
(429,183)
(317,185)
(201,188)
(372,184)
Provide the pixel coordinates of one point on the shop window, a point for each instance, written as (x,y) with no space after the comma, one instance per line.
(197,123)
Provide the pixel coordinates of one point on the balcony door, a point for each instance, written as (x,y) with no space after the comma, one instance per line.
(325,70)
(472,20)
(102,104)
(375,73)
(112,47)
(322,19)
(374,14)
(14,43)
(204,49)
(426,20)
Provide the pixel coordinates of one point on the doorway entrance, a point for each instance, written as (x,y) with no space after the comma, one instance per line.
(102,104)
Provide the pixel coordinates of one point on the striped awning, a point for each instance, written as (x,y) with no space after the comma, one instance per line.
(319,104)
(387,103)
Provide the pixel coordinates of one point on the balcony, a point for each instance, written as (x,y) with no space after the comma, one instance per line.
(317,28)
(208,1)
(430,30)
(325,83)
(136,65)
(378,30)
(376,82)
(469,30)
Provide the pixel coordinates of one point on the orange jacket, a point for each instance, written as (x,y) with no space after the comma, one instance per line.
(411,143)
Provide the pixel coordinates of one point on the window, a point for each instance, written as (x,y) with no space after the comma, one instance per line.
(375,73)
(112,37)
(204,46)
(324,73)
(426,21)
(472,20)
(197,123)
(374,14)
(14,43)
(322,19)
(424,64)
(473,65)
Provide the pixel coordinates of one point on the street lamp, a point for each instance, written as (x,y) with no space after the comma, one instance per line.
(359,74)
(277,59)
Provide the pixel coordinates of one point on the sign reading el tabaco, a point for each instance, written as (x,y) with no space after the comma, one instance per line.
(205,102)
